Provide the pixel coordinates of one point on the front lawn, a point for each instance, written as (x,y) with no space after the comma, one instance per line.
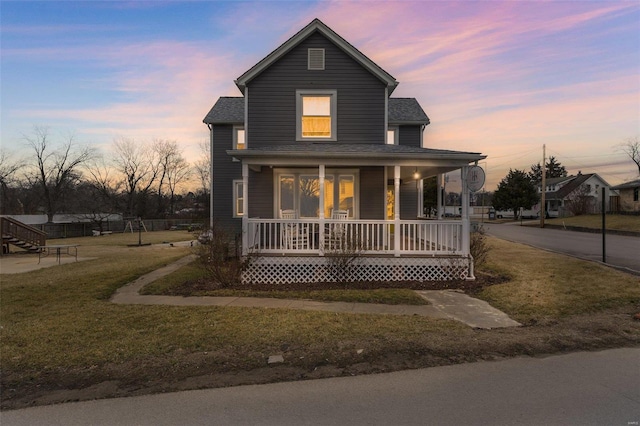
(61,339)
(616,222)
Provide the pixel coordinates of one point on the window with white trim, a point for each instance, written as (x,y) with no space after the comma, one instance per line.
(316,115)
(238,199)
(239,141)
(300,191)
(392,136)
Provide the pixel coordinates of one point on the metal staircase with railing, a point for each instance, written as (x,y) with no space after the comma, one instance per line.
(21,235)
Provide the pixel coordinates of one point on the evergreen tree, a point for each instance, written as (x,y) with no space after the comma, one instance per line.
(554,169)
(516,190)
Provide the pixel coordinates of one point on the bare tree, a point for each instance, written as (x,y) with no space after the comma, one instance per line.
(173,169)
(56,170)
(104,184)
(8,168)
(135,162)
(631,147)
(178,172)
(202,167)
(580,201)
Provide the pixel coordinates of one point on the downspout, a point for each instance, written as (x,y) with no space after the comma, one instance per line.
(210,126)
(386,113)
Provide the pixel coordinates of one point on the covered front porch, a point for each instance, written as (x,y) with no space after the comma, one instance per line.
(296,243)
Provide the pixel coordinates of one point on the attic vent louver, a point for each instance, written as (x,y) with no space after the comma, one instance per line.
(316,59)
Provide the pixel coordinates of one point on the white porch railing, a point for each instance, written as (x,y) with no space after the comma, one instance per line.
(315,236)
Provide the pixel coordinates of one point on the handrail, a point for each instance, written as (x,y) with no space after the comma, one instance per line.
(21,231)
(415,237)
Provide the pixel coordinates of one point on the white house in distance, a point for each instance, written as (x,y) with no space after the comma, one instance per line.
(576,194)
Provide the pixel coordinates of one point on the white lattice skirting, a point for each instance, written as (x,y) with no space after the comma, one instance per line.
(290,270)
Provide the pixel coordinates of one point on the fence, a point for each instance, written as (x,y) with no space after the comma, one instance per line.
(85,229)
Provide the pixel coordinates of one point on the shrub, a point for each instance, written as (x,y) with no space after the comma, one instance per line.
(342,253)
(220,256)
(479,247)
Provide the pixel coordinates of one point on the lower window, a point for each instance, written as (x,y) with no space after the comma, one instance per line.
(301,192)
(238,199)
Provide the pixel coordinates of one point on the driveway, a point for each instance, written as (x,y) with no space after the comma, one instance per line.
(622,251)
(586,388)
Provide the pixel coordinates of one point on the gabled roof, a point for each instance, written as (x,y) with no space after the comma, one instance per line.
(574,183)
(628,185)
(227,110)
(572,186)
(316,26)
(406,111)
(557,180)
(230,110)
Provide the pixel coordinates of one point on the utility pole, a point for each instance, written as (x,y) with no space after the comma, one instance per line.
(544,186)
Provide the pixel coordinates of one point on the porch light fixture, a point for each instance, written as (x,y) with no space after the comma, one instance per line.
(416,175)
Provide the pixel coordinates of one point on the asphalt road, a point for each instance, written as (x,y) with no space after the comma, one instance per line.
(585,388)
(622,251)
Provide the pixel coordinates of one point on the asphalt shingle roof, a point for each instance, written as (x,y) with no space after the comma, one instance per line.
(627,185)
(230,110)
(406,110)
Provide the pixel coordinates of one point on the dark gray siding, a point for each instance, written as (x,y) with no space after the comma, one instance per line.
(225,171)
(410,136)
(372,193)
(261,193)
(408,201)
(272,96)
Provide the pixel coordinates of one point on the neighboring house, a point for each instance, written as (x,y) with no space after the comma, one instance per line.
(629,198)
(572,195)
(316,150)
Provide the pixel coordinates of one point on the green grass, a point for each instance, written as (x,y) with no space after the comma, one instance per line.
(548,285)
(59,319)
(616,222)
(58,329)
(174,284)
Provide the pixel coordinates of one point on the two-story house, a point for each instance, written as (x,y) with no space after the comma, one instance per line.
(316,152)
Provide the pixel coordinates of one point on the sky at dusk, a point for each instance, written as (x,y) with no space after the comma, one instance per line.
(497,77)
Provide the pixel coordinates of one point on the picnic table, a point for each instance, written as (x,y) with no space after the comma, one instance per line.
(59,249)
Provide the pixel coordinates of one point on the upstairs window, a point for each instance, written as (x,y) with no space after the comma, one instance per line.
(392,136)
(316,115)
(239,141)
(315,59)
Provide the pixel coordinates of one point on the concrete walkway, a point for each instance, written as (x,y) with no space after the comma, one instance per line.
(447,304)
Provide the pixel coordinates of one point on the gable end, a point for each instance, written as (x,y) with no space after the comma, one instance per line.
(317,26)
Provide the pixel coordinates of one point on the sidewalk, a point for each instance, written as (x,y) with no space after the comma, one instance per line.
(449,304)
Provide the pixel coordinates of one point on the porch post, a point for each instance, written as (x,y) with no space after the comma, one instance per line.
(321,212)
(439,202)
(465,211)
(245,208)
(421,197)
(396,211)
